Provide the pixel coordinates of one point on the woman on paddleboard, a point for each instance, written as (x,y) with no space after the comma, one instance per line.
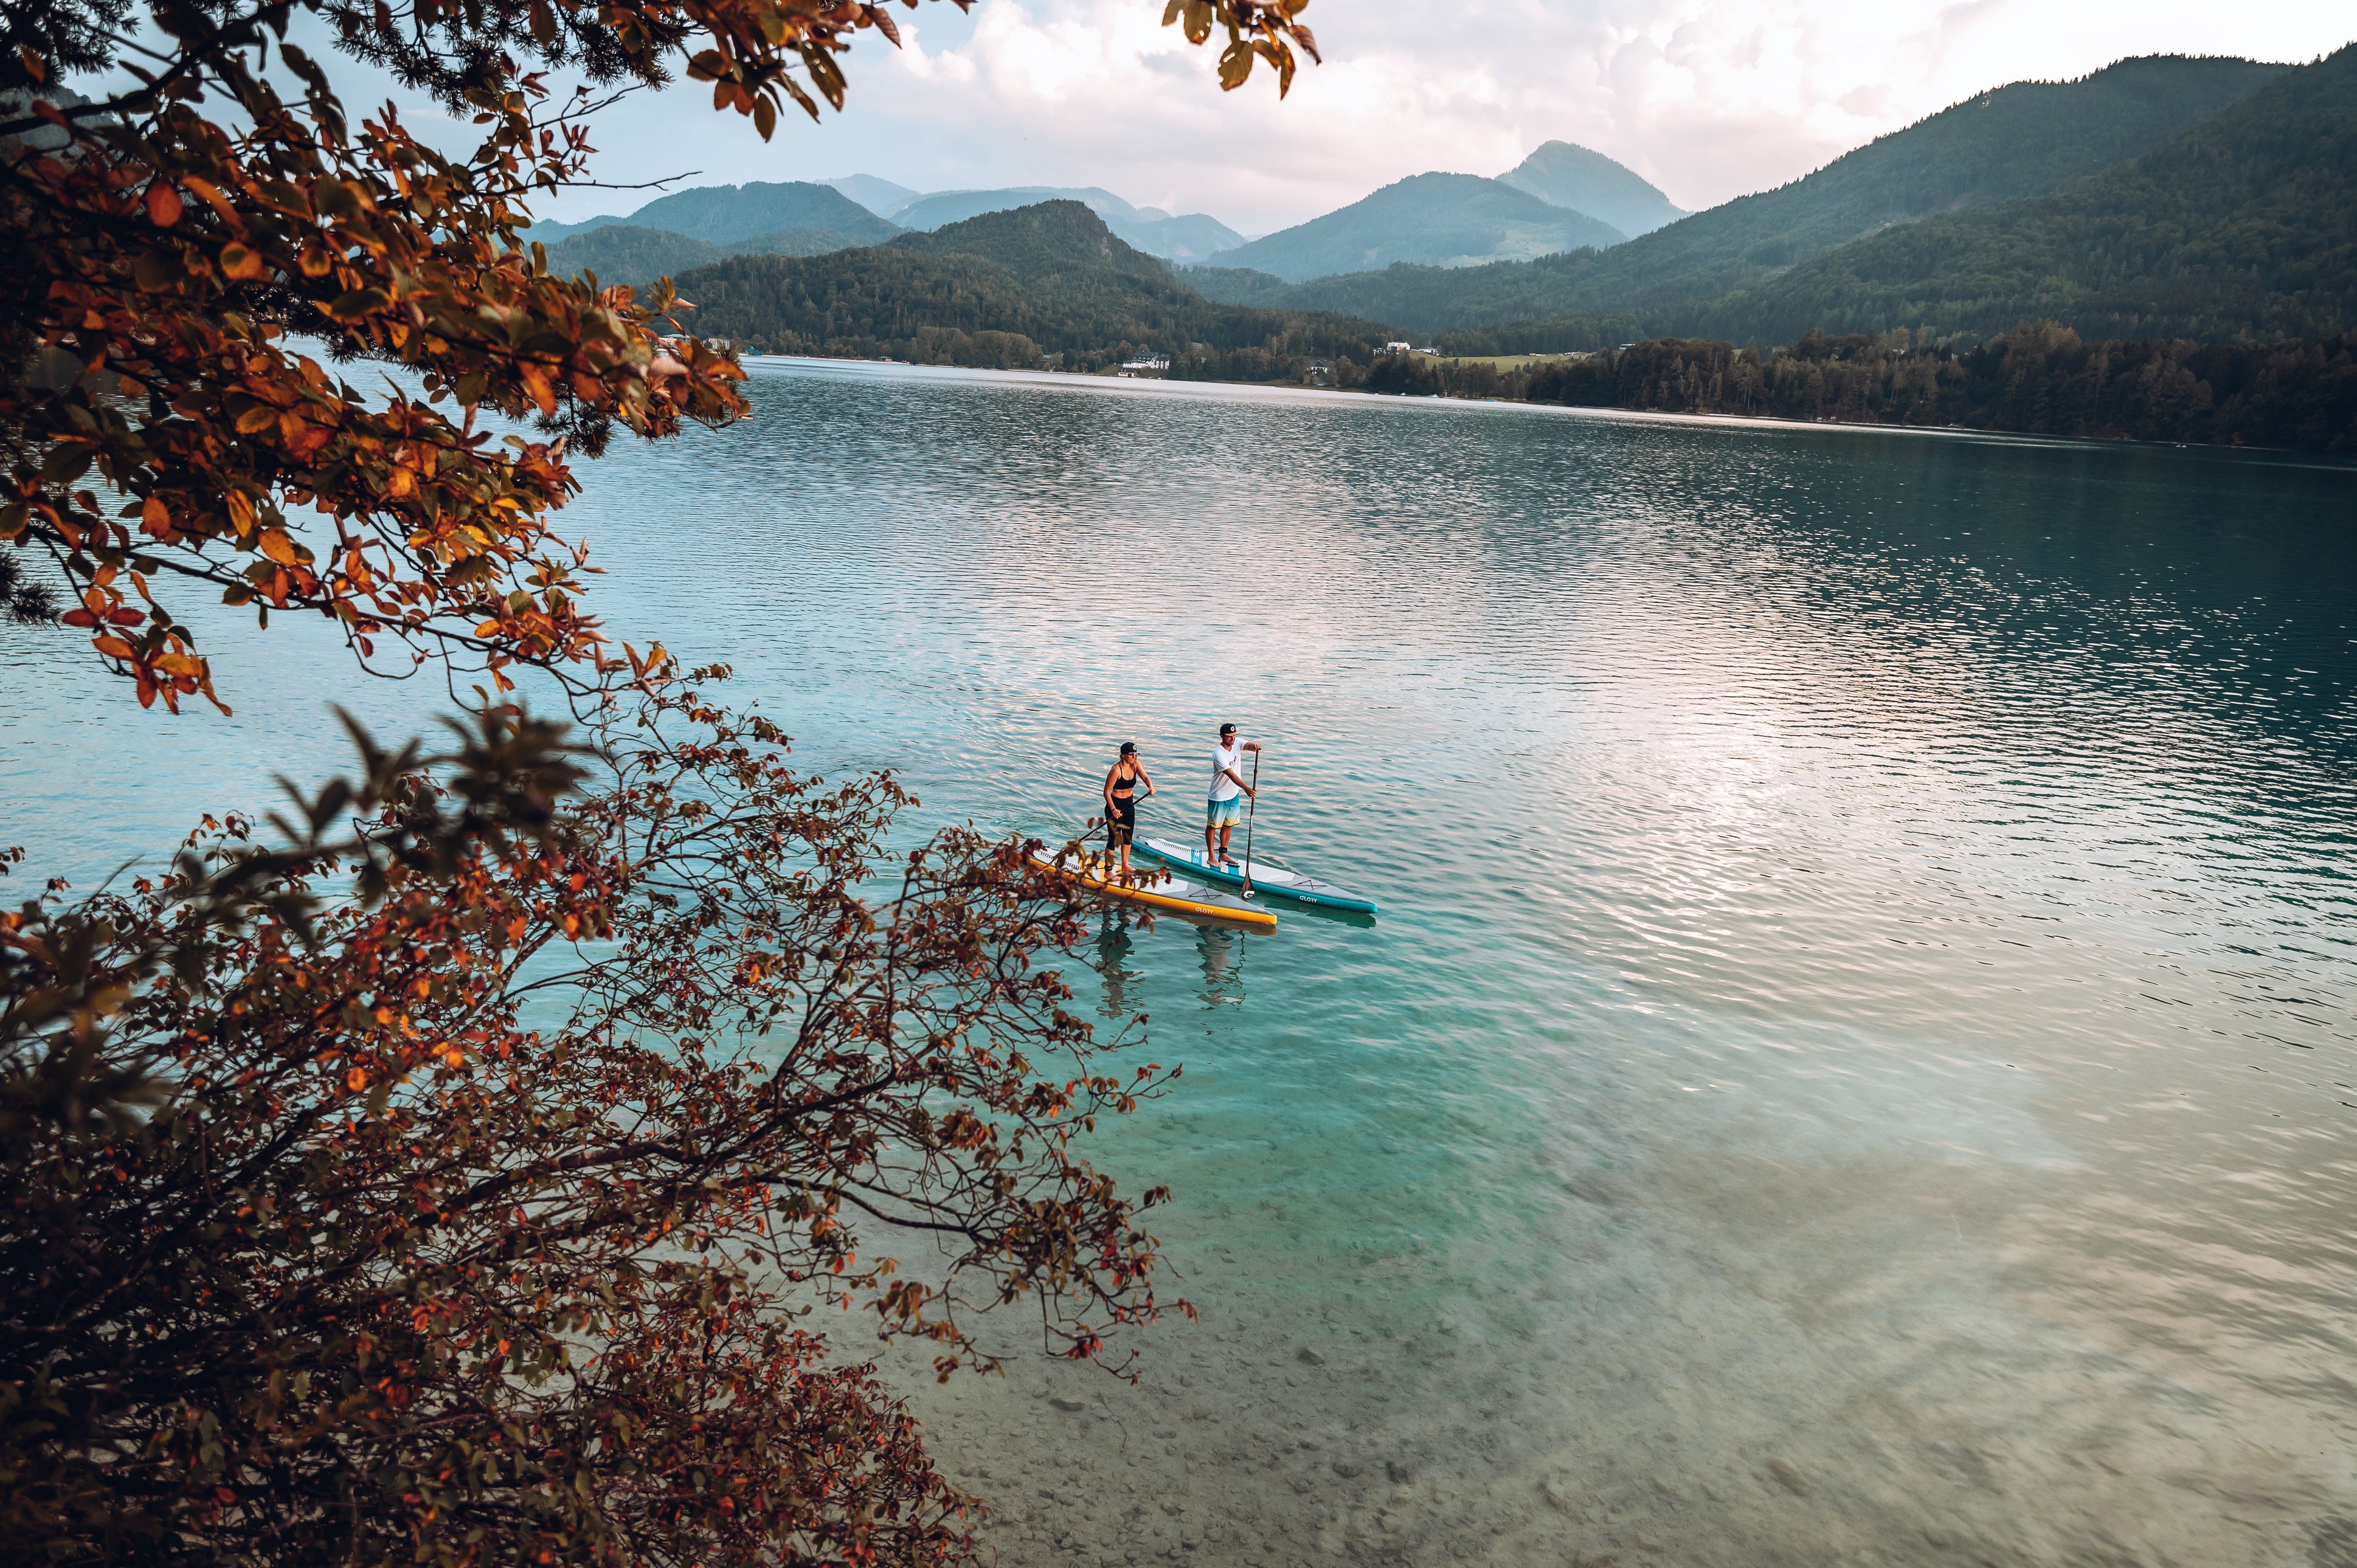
(1120,785)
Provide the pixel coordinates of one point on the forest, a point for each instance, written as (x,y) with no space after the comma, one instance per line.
(2243,229)
(2038,379)
(1048,283)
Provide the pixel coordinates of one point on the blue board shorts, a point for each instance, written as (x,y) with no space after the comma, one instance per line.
(1223,813)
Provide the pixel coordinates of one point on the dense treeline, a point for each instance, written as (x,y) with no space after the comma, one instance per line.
(2039,379)
(1044,284)
(1570,335)
(1289,356)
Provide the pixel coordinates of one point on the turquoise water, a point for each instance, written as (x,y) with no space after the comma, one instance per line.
(1856,1064)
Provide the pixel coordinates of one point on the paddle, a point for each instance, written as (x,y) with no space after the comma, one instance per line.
(1248,823)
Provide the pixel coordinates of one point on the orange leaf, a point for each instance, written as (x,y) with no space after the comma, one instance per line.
(243,264)
(163,205)
(216,200)
(278,547)
(535,383)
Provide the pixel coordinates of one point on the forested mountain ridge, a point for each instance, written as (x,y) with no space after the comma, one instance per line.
(2025,139)
(1189,237)
(625,253)
(2245,227)
(1043,243)
(1426,217)
(1007,289)
(719,214)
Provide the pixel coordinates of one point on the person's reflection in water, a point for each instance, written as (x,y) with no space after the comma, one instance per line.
(1223,965)
(1114,946)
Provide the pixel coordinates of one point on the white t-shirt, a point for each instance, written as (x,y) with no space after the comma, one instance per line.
(1223,787)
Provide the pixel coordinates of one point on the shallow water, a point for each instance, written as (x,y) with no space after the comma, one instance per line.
(1856,1063)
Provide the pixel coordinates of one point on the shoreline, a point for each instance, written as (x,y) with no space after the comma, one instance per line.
(2330,461)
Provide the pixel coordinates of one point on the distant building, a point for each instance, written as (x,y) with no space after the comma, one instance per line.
(1153,365)
(1399,348)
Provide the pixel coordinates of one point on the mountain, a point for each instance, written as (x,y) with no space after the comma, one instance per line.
(1006,288)
(881,197)
(1447,220)
(1050,243)
(626,253)
(2243,228)
(550,233)
(1189,237)
(2027,139)
(1149,229)
(945,207)
(724,212)
(1564,175)
(720,214)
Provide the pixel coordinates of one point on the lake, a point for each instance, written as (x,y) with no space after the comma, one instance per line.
(1857,1061)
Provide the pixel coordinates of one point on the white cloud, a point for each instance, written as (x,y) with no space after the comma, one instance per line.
(1710,98)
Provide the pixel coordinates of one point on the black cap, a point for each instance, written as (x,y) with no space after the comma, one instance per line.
(1129,748)
(1227,729)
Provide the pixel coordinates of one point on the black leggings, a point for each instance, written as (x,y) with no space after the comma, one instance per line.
(1121,828)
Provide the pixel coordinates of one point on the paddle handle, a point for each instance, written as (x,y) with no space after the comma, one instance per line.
(1249,810)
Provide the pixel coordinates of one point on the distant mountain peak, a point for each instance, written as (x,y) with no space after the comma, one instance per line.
(1580,180)
(1435,219)
(881,197)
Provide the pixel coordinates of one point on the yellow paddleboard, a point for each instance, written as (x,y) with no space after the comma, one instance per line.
(1157,889)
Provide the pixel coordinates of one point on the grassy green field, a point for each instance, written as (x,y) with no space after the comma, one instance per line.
(1501,361)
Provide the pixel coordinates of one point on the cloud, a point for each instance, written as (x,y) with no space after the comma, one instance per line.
(1710,99)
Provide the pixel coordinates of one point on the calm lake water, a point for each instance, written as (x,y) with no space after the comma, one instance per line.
(1857,1061)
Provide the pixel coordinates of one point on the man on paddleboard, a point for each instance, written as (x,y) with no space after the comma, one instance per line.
(1226,808)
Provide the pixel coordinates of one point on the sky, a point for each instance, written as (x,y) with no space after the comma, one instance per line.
(1708,98)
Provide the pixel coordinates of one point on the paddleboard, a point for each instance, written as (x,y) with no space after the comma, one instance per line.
(1265,878)
(1160,890)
